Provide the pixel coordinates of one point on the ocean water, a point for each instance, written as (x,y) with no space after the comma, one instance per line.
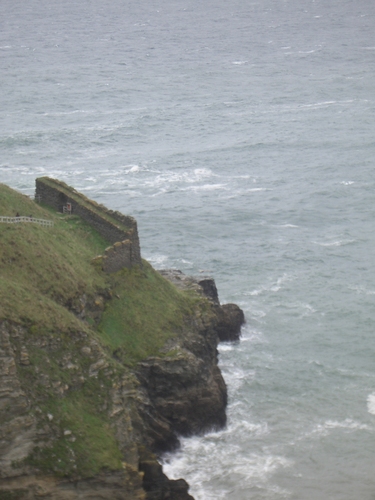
(241,136)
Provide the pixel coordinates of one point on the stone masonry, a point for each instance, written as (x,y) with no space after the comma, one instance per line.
(118,256)
(120,230)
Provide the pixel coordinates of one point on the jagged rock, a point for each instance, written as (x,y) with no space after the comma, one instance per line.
(158,486)
(230,322)
(189,393)
(182,395)
(230,316)
(208,286)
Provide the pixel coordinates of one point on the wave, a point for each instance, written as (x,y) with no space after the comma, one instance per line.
(272,287)
(164,179)
(362,290)
(235,376)
(253,335)
(241,426)
(206,187)
(158,261)
(287,225)
(66,113)
(205,476)
(326,428)
(337,243)
(132,169)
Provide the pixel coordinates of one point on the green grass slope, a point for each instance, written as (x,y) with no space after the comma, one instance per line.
(43,269)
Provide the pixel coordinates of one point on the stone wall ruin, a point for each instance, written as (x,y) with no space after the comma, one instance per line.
(120,230)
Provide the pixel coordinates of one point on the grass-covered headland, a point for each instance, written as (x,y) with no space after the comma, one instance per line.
(80,331)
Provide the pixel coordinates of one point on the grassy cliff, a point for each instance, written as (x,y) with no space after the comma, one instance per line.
(76,333)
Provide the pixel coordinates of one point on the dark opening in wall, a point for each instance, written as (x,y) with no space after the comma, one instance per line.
(62,201)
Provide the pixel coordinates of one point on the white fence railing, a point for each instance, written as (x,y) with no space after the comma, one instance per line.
(16,220)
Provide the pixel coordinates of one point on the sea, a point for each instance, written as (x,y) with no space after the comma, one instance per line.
(241,136)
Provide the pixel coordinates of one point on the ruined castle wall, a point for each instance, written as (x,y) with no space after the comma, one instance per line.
(118,256)
(122,227)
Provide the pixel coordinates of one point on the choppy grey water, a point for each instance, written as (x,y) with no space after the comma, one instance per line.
(241,136)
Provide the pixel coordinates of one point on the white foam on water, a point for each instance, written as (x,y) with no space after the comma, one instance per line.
(159,193)
(66,113)
(166,179)
(324,429)
(21,152)
(225,346)
(252,335)
(235,376)
(346,424)
(317,104)
(279,283)
(207,187)
(184,261)
(253,190)
(315,362)
(362,290)
(371,403)
(347,183)
(297,308)
(239,62)
(287,225)
(307,309)
(246,176)
(131,169)
(272,287)
(158,261)
(255,292)
(251,428)
(337,243)
(205,476)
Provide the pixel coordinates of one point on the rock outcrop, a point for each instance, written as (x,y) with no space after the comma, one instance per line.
(230,317)
(182,393)
(187,389)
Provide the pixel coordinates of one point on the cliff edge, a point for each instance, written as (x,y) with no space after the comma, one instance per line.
(100,372)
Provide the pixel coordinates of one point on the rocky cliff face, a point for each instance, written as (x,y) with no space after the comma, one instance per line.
(181,392)
(187,389)
(187,392)
(34,440)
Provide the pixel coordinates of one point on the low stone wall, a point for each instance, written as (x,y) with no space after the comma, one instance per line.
(113,226)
